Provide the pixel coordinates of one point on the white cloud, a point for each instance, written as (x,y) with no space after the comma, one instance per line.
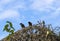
(56,13)
(9,14)
(41,4)
(5,1)
(20,5)
(12,4)
(46,6)
(12,11)
(53,15)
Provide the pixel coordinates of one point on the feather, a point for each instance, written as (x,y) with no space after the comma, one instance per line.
(30,24)
(22,25)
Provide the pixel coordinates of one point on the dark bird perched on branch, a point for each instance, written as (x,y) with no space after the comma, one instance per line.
(30,24)
(22,25)
(43,23)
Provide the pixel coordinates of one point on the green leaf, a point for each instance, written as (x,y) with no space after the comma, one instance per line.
(11,26)
(10,23)
(12,31)
(6,27)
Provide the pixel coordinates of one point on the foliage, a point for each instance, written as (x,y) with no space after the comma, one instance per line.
(9,28)
(37,32)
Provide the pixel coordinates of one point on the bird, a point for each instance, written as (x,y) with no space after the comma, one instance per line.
(43,23)
(30,24)
(22,25)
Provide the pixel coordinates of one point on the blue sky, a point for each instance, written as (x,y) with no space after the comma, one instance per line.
(18,11)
